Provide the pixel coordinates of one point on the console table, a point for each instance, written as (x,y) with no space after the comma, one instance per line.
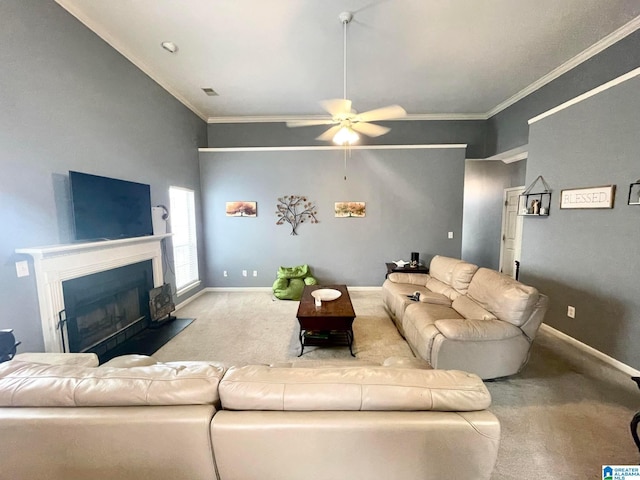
(392,267)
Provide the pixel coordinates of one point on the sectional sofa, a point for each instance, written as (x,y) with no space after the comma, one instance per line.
(134,418)
(467,318)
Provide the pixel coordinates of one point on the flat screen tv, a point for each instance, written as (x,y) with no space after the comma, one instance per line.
(108,209)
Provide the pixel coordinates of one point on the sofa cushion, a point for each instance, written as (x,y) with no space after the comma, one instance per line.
(259,387)
(442,288)
(506,298)
(435,298)
(441,268)
(462,274)
(453,272)
(131,360)
(470,309)
(411,278)
(24,384)
(477,330)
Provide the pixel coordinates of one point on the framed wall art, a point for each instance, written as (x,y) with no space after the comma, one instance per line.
(589,197)
(242,209)
(350,209)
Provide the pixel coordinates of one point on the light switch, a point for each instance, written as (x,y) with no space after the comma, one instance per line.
(22,268)
(450,234)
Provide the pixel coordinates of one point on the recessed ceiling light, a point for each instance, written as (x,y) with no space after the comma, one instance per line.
(210,91)
(169,47)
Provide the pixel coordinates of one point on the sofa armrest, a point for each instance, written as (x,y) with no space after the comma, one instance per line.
(477,330)
(410,278)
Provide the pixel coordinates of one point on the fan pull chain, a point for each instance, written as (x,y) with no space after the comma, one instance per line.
(345,164)
(347,148)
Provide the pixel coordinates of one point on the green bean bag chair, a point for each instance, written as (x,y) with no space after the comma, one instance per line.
(291,282)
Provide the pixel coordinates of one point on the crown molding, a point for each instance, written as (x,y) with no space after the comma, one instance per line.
(513,155)
(583,56)
(100,31)
(296,118)
(333,147)
(586,95)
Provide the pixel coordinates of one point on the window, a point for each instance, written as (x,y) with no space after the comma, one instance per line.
(185,242)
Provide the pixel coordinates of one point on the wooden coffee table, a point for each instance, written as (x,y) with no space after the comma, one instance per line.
(328,325)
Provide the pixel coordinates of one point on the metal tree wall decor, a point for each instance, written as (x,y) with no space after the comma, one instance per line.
(294,210)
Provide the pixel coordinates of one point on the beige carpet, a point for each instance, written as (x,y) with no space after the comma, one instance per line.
(564,416)
(239,328)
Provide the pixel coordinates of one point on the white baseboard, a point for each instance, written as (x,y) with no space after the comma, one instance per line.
(623,367)
(238,289)
(257,289)
(190,299)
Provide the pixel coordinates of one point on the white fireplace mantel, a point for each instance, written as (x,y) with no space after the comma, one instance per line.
(57,263)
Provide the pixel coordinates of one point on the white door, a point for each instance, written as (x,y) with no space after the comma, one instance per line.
(511,232)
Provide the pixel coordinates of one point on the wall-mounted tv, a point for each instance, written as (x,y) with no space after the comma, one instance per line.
(108,208)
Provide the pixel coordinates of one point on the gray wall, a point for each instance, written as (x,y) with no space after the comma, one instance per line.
(71,102)
(589,258)
(413,197)
(403,132)
(509,129)
(484,184)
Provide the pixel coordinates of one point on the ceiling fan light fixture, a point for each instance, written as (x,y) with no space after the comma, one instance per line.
(346,136)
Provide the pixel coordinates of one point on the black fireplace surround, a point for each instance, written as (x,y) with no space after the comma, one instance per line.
(105,309)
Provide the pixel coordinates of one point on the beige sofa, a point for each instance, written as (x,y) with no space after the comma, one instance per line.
(199,420)
(468,318)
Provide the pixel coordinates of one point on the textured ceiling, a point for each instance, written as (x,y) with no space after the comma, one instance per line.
(278,58)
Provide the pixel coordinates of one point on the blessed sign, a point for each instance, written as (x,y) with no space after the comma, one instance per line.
(592,197)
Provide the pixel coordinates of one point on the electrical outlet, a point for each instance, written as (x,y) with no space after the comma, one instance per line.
(244,273)
(450,234)
(255,273)
(224,274)
(571,312)
(22,268)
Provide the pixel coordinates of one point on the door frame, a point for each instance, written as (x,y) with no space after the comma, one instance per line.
(519,225)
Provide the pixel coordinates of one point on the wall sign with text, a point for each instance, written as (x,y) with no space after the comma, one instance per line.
(592,197)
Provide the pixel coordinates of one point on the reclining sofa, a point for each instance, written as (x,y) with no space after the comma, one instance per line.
(204,421)
(467,318)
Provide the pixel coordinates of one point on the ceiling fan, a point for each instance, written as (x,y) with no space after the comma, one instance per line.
(347,123)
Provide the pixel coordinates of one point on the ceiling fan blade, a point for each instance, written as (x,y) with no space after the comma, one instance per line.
(384,113)
(370,129)
(308,123)
(329,134)
(337,106)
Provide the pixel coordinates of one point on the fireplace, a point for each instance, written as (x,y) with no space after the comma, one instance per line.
(57,264)
(105,309)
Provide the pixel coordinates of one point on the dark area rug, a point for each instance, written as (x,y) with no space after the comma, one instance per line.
(149,340)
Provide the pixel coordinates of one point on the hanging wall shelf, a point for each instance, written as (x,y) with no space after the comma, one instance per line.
(535,203)
(634,193)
